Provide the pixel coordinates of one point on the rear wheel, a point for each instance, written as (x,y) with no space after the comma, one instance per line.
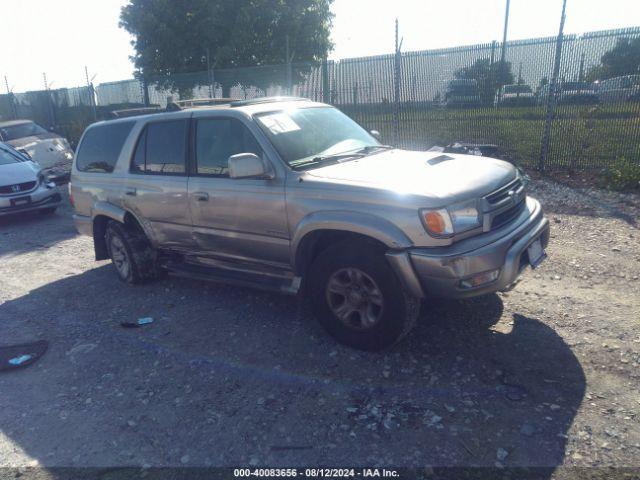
(131,253)
(358,299)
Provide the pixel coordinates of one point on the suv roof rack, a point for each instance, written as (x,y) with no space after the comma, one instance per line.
(257,101)
(135,112)
(198,102)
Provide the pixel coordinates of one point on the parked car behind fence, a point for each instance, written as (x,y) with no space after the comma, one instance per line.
(515,95)
(462,92)
(574,93)
(620,89)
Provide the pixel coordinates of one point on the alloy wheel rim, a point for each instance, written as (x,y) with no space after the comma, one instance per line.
(355,298)
(120,257)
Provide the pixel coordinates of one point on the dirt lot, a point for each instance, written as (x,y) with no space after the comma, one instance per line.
(546,375)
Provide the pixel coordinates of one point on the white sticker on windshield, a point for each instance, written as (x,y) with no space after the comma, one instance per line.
(280,123)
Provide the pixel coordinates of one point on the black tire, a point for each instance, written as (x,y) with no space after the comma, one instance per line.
(48,211)
(134,247)
(396,317)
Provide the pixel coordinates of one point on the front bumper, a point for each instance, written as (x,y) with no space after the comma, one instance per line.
(39,199)
(440,271)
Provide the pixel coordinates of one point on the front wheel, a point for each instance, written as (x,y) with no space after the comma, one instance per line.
(358,299)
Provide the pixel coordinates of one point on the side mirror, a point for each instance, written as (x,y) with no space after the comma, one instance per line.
(376,134)
(248,165)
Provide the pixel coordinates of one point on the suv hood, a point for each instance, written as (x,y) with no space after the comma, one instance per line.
(18,173)
(429,174)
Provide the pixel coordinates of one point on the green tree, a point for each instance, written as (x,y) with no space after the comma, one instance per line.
(623,59)
(490,76)
(175,37)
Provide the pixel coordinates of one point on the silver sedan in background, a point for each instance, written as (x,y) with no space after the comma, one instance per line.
(23,186)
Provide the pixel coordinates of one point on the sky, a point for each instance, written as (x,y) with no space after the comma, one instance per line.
(61,37)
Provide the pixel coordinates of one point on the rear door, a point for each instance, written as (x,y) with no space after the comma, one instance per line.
(241,219)
(156,187)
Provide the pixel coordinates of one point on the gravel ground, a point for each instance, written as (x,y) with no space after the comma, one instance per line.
(546,375)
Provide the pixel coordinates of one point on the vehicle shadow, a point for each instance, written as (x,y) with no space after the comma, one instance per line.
(473,382)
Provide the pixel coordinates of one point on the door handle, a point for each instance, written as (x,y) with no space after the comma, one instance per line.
(132,192)
(201,196)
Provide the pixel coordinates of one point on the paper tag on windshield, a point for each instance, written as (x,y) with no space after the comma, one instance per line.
(280,123)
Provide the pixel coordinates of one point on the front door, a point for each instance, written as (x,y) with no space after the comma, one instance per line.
(243,219)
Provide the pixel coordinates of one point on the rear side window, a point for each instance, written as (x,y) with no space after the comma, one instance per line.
(161,149)
(101,147)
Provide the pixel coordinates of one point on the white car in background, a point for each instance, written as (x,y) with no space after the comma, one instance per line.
(51,151)
(23,186)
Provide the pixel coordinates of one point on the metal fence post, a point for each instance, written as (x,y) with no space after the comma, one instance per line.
(326,84)
(551,100)
(396,96)
(92,94)
(12,100)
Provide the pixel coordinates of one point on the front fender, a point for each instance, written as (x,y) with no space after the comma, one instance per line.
(354,222)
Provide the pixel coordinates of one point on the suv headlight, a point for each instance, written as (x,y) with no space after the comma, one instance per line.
(446,222)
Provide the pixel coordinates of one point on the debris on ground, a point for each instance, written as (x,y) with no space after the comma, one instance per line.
(20,356)
(141,322)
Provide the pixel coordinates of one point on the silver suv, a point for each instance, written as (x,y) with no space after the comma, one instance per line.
(291,195)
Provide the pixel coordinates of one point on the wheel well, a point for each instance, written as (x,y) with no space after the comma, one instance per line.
(314,243)
(100,223)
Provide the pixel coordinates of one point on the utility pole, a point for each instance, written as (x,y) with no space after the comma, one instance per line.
(551,100)
(288,64)
(503,55)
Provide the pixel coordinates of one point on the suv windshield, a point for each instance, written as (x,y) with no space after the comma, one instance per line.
(309,135)
(21,130)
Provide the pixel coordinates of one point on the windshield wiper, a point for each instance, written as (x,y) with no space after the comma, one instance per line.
(373,148)
(327,158)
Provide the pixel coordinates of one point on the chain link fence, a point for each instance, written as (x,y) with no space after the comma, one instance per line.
(421,99)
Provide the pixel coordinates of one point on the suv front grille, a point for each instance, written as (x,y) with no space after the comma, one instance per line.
(503,193)
(504,205)
(17,188)
(506,216)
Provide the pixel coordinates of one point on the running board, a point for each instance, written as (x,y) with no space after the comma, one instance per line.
(286,285)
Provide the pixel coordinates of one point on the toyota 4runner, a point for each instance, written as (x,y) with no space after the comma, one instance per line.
(290,195)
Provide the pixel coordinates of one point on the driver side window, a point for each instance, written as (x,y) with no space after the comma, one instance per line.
(217,139)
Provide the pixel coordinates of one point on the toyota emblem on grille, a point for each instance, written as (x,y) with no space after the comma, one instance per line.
(15,188)
(512,195)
